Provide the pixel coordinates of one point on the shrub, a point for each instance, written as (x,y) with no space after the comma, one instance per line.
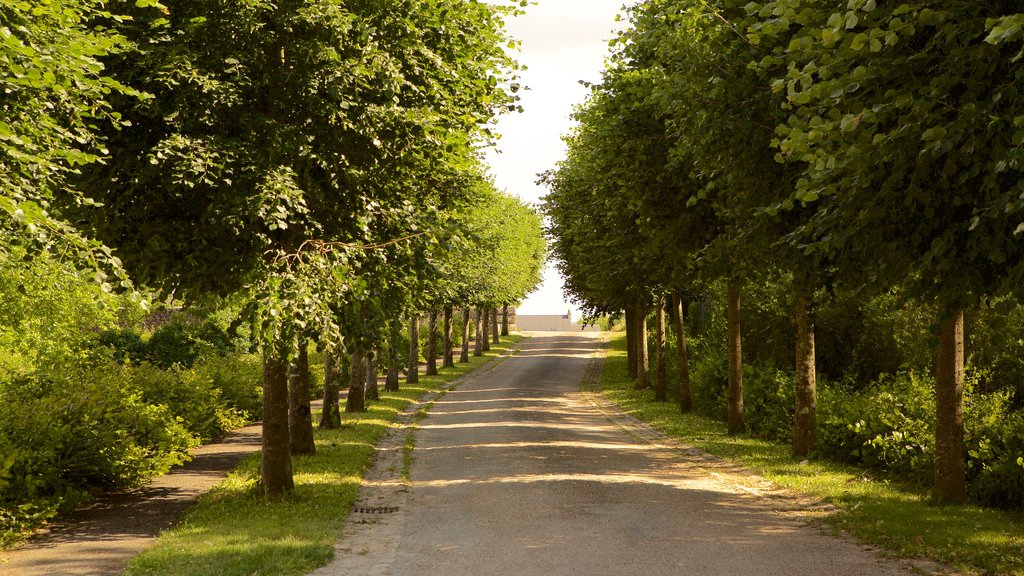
(124,344)
(768,402)
(709,380)
(81,427)
(995,447)
(181,343)
(888,426)
(238,377)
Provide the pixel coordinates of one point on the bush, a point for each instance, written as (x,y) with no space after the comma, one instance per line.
(888,426)
(181,343)
(995,447)
(768,402)
(709,380)
(81,428)
(124,345)
(238,377)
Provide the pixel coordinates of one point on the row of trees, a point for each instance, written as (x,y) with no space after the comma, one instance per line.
(316,160)
(869,146)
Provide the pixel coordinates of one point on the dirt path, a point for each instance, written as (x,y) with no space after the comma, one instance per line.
(519,472)
(100,539)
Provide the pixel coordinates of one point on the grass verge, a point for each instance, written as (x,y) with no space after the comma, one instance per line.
(234,532)
(893,516)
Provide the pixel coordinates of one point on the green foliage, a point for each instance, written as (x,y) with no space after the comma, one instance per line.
(51,73)
(85,425)
(888,426)
(126,345)
(995,451)
(181,343)
(50,308)
(768,401)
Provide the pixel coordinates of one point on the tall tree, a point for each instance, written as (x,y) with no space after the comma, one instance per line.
(904,122)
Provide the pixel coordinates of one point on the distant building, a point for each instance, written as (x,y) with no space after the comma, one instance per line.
(548,323)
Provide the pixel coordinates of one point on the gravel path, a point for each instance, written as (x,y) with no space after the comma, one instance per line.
(518,472)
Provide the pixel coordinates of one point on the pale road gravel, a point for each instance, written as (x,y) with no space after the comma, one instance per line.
(518,471)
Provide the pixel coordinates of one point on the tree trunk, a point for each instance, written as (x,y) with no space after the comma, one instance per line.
(276,458)
(464,351)
(356,401)
(331,416)
(805,416)
(372,388)
(682,358)
(504,320)
(495,331)
(413,375)
(394,359)
(485,338)
(631,327)
(734,409)
(643,374)
(950,482)
(661,381)
(478,345)
(432,343)
(300,415)
(449,357)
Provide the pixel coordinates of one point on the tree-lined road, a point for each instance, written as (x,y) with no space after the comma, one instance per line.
(515,472)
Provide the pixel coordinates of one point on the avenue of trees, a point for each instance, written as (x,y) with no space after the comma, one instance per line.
(299,174)
(851,174)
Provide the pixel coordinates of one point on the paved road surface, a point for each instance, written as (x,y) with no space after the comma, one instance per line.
(517,472)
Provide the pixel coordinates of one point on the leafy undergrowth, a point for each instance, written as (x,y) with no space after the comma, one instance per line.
(894,516)
(234,532)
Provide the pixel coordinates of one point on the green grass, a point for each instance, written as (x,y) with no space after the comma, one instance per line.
(234,531)
(893,516)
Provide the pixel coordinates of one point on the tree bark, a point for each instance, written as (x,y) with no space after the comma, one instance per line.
(682,357)
(413,375)
(300,414)
(372,387)
(661,380)
(464,352)
(432,343)
(950,481)
(478,345)
(449,357)
(356,401)
(276,457)
(485,338)
(495,331)
(394,359)
(643,368)
(331,416)
(805,416)
(631,327)
(734,408)
(504,320)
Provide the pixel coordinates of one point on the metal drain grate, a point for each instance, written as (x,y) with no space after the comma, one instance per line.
(375,509)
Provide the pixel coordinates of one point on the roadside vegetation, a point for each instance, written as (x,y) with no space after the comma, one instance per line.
(880,507)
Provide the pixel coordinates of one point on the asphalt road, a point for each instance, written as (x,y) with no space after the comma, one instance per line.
(516,472)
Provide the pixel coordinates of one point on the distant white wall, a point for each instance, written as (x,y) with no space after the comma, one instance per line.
(550,323)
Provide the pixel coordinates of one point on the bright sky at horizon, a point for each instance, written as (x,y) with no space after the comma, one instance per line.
(563,42)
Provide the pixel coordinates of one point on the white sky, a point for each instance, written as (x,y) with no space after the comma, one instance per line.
(563,42)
